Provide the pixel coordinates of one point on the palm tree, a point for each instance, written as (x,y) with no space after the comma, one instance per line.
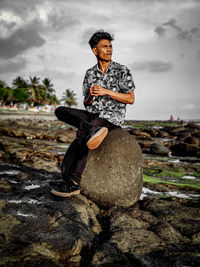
(53,100)
(69,98)
(6,93)
(3,91)
(19,82)
(48,89)
(35,89)
(9,97)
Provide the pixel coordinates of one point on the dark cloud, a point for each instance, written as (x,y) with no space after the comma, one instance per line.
(195,31)
(173,23)
(153,66)
(41,56)
(7,25)
(19,7)
(13,66)
(184,35)
(87,34)
(22,40)
(180,33)
(60,20)
(160,31)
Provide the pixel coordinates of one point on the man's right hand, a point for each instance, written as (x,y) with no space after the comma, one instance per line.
(88,100)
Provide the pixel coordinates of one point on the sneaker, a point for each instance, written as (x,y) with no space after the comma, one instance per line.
(66,189)
(96,136)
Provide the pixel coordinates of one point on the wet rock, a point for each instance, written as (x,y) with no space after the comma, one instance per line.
(162,134)
(192,125)
(153,233)
(142,135)
(160,149)
(113,174)
(152,132)
(144,143)
(182,136)
(39,230)
(192,140)
(183,149)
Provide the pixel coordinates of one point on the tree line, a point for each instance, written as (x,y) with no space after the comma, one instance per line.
(33,93)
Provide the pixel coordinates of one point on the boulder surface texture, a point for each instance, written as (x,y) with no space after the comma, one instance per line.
(113,173)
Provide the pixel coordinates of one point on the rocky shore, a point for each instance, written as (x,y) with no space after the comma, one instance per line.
(37,229)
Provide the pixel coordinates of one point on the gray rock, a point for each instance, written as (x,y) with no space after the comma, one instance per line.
(184,149)
(162,134)
(37,229)
(113,174)
(192,140)
(159,149)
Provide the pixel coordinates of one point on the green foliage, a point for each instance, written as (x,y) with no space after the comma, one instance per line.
(181,183)
(171,174)
(19,82)
(32,92)
(20,95)
(69,98)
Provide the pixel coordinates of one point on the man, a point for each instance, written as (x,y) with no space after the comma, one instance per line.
(107,88)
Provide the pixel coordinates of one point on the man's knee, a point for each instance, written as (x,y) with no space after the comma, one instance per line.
(60,111)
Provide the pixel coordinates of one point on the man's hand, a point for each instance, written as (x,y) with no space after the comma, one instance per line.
(98,90)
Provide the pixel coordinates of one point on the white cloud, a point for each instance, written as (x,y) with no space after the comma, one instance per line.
(153,66)
(59,31)
(189,106)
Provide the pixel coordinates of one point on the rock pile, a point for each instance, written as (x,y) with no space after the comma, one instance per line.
(39,230)
(180,140)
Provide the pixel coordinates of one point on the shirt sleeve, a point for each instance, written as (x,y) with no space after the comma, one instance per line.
(86,86)
(126,82)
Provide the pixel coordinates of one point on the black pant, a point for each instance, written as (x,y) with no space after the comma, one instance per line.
(75,159)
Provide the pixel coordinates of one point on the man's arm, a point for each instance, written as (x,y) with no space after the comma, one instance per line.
(88,100)
(98,90)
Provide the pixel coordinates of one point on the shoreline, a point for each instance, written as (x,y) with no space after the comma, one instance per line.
(19,114)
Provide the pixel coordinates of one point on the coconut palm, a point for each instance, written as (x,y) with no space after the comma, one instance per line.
(48,89)
(69,98)
(35,90)
(3,91)
(6,93)
(19,82)
(9,97)
(53,100)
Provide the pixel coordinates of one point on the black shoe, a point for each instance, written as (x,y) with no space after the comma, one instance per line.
(66,189)
(96,136)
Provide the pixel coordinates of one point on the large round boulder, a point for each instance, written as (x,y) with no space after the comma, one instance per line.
(113,173)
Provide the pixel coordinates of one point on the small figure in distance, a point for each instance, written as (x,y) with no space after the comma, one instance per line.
(171,119)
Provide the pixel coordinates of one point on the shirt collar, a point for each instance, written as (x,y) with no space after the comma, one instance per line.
(108,68)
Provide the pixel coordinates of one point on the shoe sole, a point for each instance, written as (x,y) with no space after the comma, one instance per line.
(62,194)
(97,138)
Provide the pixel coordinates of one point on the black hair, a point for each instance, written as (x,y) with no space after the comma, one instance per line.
(98,36)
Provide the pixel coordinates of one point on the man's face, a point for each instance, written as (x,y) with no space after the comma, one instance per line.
(103,50)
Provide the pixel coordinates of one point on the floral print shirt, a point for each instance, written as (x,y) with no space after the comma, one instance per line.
(117,78)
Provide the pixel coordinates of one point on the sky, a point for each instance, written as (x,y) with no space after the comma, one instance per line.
(158,40)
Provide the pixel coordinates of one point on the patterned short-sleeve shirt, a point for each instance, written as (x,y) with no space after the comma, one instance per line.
(116,78)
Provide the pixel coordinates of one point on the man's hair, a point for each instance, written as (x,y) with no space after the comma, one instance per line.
(98,36)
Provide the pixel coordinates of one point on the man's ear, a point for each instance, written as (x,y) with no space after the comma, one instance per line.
(94,50)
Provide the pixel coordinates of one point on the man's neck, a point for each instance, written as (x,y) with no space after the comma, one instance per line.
(103,65)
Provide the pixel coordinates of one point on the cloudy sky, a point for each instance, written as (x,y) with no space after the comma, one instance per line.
(159,40)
